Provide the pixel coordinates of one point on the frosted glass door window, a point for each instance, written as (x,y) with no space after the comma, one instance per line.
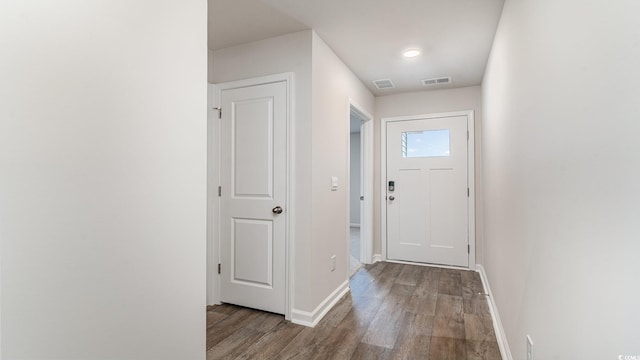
(428,143)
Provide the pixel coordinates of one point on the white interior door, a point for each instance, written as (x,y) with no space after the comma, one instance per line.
(427,202)
(253,190)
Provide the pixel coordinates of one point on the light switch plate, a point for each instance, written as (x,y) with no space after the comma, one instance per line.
(334,183)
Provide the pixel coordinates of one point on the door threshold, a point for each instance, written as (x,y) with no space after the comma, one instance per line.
(429,265)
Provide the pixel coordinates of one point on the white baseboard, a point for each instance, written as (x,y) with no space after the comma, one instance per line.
(311,319)
(505,352)
(377,258)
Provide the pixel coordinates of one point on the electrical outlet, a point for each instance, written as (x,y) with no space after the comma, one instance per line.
(529,348)
(333,262)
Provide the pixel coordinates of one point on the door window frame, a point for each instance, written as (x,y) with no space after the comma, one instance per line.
(470,177)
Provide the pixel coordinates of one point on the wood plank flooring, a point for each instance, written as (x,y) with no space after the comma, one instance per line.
(394,311)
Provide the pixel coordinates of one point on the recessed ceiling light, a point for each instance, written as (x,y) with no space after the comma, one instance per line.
(411,53)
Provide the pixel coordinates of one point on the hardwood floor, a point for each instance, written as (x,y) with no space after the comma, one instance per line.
(394,311)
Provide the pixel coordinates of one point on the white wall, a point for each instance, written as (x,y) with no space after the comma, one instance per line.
(333,85)
(561,170)
(103,173)
(430,102)
(354,179)
(210,69)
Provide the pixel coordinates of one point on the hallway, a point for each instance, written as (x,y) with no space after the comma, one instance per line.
(393,311)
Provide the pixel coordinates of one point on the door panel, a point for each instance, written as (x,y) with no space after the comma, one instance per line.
(252,255)
(427,211)
(252,132)
(448,216)
(253,179)
(411,216)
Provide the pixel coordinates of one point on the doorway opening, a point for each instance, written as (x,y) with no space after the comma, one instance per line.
(360,220)
(355,191)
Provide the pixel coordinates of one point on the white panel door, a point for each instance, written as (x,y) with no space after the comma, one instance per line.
(427,207)
(253,179)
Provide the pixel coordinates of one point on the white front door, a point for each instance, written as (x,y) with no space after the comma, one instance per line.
(253,158)
(427,191)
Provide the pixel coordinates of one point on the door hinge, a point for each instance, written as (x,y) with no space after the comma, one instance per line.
(468,252)
(219,112)
(219,191)
(219,268)
(468,192)
(467,132)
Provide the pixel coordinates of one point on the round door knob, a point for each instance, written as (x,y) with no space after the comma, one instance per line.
(392,197)
(277,210)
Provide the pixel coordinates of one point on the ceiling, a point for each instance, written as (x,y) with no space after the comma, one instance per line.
(369,36)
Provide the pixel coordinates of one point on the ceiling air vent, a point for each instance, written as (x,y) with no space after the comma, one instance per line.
(383,84)
(436,81)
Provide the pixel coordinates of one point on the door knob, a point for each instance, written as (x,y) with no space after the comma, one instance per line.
(277,210)
(392,197)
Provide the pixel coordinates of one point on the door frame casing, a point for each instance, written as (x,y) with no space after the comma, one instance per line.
(366,175)
(213,201)
(470,177)
(213,205)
